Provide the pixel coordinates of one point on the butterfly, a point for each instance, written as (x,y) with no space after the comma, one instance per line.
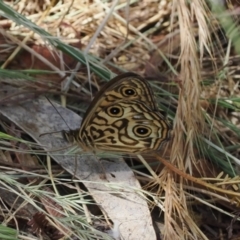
(123,118)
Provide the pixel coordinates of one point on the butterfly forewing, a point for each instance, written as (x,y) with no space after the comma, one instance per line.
(124,118)
(112,91)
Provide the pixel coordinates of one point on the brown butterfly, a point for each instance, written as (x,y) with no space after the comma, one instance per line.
(123,118)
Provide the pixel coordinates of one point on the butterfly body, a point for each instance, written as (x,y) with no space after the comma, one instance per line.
(123,118)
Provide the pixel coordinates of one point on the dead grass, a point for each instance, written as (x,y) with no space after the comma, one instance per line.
(189,49)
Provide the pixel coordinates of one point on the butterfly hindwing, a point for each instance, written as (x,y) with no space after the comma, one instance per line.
(124,127)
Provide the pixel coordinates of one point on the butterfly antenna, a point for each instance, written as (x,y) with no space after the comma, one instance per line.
(59,115)
(43,134)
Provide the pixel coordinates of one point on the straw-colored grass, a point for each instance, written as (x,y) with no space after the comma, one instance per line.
(189,48)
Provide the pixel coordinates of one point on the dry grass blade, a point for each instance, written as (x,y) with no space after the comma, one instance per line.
(188,122)
(190,51)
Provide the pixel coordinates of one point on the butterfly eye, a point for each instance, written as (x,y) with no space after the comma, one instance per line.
(127,91)
(142,131)
(115,111)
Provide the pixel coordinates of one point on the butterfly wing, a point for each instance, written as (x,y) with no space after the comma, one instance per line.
(131,95)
